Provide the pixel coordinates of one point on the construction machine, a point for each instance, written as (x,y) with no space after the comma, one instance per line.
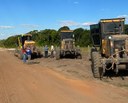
(110,46)
(23,42)
(67,46)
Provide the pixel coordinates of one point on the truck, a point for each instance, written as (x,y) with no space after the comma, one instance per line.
(110,46)
(24,41)
(67,46)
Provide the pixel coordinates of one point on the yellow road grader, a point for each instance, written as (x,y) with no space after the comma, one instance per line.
(25,41)
(67,46)
(110,46)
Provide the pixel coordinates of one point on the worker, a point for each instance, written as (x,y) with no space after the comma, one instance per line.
(28,52)
(52,51)
(46,51)
(24,55)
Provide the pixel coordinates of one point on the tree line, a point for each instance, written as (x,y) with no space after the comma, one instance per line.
(51,36)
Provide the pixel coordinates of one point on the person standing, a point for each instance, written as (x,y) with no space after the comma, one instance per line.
(52,51)
(24,55)
(28,52)
(46,51)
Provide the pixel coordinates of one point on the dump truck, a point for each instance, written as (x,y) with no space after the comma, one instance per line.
(110,46)
(25,41)
(67,46)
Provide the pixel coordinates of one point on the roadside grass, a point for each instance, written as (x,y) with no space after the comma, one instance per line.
(85,49)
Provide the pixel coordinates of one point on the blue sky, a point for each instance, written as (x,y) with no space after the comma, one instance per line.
(22,16)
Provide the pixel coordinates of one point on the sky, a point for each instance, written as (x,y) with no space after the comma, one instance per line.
(21,16)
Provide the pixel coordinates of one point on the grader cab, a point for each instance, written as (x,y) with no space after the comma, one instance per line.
(110,46)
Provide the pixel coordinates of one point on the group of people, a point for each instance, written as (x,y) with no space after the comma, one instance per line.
(26,54)
(46,49)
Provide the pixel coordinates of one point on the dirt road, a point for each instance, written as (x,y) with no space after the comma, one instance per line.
(39,83)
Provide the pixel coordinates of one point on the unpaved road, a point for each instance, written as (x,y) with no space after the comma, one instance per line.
(42,83)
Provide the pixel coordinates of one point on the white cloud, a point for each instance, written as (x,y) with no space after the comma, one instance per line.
(68,23)
(7,27)
(72,23)
(29,25)
(87,23)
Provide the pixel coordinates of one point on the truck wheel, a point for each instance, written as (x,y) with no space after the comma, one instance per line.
(96,65)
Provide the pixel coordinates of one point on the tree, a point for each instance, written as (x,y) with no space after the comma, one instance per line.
(2,43)
(78,35)
(64,28)
(11,41)
(51,36)
(85,39)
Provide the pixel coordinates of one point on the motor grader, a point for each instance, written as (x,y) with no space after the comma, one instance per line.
(67,46)
(110,46)
(23,42)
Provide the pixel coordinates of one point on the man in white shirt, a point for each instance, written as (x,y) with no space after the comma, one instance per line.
(52,51)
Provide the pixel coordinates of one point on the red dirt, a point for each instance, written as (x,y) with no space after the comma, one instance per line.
(24,83)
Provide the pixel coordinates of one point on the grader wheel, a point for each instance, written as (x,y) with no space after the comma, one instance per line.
(96,65)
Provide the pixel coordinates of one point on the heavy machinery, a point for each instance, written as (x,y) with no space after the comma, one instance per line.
(110,46)
(67,45)
(23,42)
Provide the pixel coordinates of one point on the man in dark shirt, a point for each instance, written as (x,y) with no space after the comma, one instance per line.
(46,51)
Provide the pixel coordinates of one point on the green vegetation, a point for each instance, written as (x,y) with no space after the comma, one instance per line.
(51,36)
(2,43)
(10,42)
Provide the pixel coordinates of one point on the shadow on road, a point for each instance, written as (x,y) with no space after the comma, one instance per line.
(122,73)
(33,62)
